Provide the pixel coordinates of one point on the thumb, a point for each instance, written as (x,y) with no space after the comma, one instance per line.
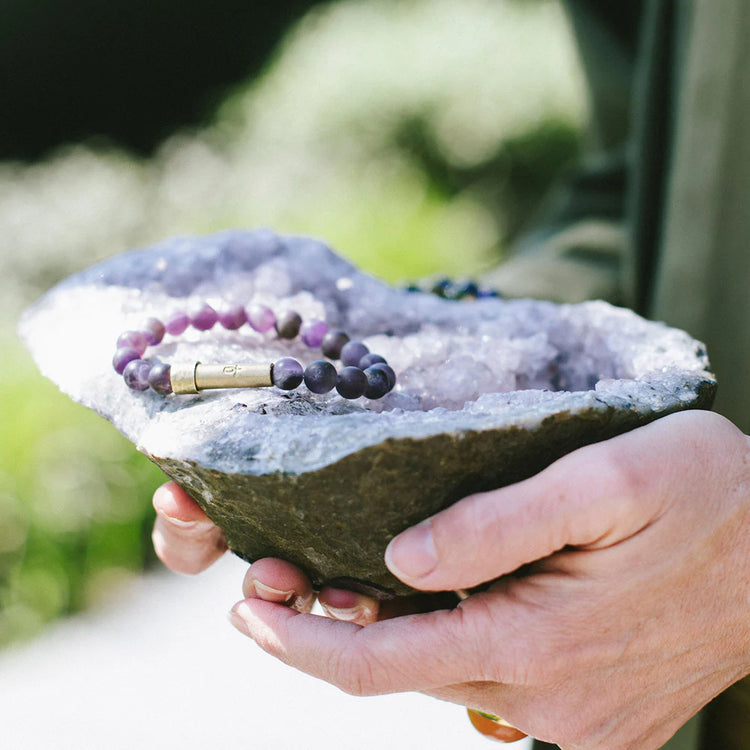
(591,497)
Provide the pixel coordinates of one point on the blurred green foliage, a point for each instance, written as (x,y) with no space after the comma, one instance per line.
(415,138)
(75,512)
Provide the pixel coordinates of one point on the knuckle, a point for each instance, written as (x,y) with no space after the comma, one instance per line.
(473,625)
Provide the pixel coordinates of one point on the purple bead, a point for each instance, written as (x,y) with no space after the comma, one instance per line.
(369,360)
(204,319)
(154,331)
(352,352)
(159,378)
(177,323)
(332,343)
(287,374)
(312,333)
(133,340)
(122,356)
(136,373)
(351,382)
(320,376)
(233,318)
(288,324)
(388,370)
(377,383)
(261,318)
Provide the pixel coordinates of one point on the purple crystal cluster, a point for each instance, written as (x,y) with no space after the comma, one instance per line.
(489,391)
(463,366)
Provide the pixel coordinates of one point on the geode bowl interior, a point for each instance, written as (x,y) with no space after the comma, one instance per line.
(489,392)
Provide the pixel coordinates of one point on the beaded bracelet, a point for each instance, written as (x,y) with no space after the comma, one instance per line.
(364,373)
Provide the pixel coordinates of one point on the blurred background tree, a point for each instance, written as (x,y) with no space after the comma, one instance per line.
(416,136)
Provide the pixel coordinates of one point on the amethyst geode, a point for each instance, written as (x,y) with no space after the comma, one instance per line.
(489,392)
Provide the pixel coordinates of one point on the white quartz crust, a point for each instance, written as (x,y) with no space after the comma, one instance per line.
(461,366)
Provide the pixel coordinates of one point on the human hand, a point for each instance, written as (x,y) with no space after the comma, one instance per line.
(622,610)
(184,538)
(187,541)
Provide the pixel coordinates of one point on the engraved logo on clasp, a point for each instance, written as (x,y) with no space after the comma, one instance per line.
(231,370)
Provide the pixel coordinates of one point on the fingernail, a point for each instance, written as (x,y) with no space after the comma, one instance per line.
(178,522)
(412,554)
(238,620)
(272,594)
(349,614)
(201,524)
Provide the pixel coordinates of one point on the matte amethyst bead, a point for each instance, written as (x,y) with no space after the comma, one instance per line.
(204,319)
(352,352)
(133,340)
(154,331)
(159,378)
(312,333)
(287,374)
(377,383)
(233,318)
(320,376)
(351,382)
(261,318)
(369,360)
(177,323)
(288,324)
(332,343)
(388,370)
(122,356)
(136,373)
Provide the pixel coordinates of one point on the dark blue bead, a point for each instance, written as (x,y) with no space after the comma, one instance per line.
(453,291)
(370,359)
(488,293)
(377,383)
(352,352)
(388,370)
(351,382)
(286,374)
(467,289)
(441,286)
(320,376)
(332,343)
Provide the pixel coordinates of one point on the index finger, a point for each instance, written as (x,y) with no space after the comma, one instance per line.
(415,652)
(184,538)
